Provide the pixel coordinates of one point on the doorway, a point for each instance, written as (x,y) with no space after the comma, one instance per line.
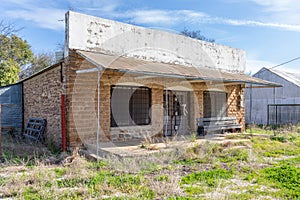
(176,119)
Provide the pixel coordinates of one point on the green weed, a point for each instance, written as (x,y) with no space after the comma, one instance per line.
(273,148)
(60,172)
(233,155)
(278,138)
(285,177)
(162,178)
(210,177)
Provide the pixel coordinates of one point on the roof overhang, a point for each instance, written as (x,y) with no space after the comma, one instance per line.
(156,69)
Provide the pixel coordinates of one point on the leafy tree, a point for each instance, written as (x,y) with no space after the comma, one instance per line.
(196,35)
(14,53)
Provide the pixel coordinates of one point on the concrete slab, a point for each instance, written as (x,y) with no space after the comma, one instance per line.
(135,148)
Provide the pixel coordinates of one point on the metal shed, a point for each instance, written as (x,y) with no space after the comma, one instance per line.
(11,103)
(277,105)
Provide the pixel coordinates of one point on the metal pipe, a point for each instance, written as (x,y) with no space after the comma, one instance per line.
(274,95)
(268,113)
(250,114)
(63,124)
(276,115)
(98,113)
(99,68)
(0,133)
(167,111)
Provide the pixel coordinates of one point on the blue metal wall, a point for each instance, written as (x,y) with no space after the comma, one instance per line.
(11,107)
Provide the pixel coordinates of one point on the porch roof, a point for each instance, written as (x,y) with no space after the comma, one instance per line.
(157,69)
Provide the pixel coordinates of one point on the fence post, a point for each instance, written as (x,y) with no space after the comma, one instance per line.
(63,123)
(268,117)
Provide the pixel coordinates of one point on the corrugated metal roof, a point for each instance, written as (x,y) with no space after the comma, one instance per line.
(291,77)
(132,65)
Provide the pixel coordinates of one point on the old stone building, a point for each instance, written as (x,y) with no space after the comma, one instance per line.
(121,82)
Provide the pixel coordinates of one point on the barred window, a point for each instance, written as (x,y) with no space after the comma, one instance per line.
(130,106)
(215,104)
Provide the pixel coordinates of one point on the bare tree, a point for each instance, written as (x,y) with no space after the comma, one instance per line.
(196,35)
(40,61)
(7,29)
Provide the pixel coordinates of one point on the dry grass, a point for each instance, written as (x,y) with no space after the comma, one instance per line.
(212,170)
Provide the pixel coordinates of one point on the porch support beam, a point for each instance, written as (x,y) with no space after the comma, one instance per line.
(167,111)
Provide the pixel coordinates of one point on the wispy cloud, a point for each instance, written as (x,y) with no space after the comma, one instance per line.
(167,17)
(42,13)
(162,17)
(283,11)
(253,65)
(48,14)
(46,18)
(290,27)
(96,7)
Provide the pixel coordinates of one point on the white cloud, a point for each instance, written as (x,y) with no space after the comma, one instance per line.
(152,17)
(285,15)
(42,13)
(46,18)
(170,17)
(253,66)
(95,7)
(162,17)
(290,27)
(282,11)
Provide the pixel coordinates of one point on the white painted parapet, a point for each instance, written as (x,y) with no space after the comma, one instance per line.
(91,33)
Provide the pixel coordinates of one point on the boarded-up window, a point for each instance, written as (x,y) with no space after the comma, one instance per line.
(130,106)
(214,104)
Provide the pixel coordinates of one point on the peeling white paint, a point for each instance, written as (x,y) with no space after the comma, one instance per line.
(90,33)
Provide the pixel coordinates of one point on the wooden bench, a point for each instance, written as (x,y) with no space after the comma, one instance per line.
(35,129)
(217,124)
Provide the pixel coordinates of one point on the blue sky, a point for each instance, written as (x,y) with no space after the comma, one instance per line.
(268,30)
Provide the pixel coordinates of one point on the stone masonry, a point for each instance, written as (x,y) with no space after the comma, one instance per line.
(42,99)
(82,103)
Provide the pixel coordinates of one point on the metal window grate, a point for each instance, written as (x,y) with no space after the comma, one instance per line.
(130,106)
(214,104)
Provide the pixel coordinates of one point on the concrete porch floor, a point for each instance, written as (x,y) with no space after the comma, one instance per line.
(134,148)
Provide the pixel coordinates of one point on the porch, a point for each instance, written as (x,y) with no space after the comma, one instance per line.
(118,99)
(134,148)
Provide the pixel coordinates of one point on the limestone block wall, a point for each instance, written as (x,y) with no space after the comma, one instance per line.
(81,92)
(236,103)
(80,101)
(196,104)
(42,99)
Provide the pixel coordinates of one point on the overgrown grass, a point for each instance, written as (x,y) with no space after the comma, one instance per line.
(271,147)
(261,165)
(209,177)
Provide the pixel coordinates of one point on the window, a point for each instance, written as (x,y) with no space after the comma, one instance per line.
(214,104)
(130,106)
